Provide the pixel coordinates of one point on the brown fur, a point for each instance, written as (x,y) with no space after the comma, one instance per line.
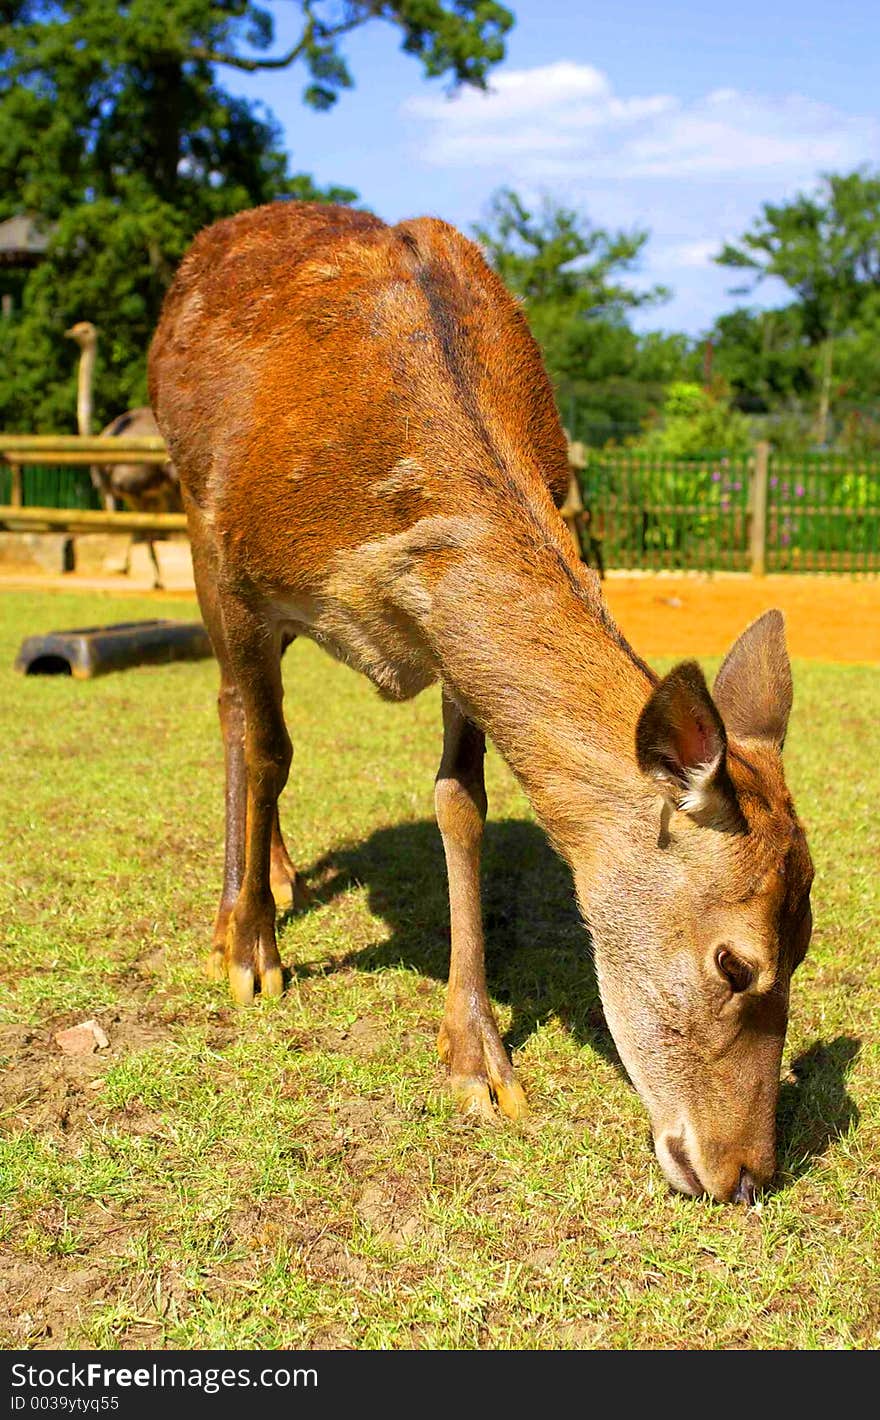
(370,456)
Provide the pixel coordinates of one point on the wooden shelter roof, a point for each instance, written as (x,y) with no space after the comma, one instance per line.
(22,243)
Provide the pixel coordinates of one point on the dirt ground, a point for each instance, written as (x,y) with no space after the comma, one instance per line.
(828,618)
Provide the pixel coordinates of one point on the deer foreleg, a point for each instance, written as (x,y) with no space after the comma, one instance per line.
(469,1043)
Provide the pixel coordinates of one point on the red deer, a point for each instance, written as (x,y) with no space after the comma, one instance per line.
(370,456)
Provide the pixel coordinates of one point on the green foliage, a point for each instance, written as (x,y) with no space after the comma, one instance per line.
(765,357)
(824,246)
(557,258)
(822,349)
(696,421)
(116,133)
(574,280)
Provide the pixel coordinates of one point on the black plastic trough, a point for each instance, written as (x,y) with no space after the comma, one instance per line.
(94,650)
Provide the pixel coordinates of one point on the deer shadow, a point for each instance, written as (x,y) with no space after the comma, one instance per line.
(538,957)
(815,1108)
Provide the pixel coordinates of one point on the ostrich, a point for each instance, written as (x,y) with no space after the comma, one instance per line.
(146,488)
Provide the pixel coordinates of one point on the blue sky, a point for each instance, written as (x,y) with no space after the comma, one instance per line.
(679,117)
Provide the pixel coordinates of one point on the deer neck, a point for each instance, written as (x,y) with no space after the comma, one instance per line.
(530,651)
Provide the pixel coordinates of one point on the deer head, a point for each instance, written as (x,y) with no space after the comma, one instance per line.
(702,913)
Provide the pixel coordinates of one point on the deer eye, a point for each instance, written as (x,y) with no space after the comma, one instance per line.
(738,975)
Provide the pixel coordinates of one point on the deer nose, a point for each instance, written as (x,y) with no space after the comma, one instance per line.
(746,1190)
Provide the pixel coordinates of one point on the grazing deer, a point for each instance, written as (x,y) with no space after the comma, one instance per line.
(370,456)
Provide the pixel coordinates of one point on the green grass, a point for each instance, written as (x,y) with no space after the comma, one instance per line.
(294,1174)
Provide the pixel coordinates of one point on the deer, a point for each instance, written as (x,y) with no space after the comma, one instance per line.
(370,456)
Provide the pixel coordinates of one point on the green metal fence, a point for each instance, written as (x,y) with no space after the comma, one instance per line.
(823,514)
(654,513)
(46,487)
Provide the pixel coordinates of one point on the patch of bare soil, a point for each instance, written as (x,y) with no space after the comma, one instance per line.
(53,1092)
(45,1300)
(827,618)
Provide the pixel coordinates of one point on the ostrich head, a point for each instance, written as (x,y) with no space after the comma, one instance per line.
(84,333)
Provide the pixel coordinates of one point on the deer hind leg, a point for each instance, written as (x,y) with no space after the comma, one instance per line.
(288,889)
(250,953)
(231,711)
(481,1075)
(231,707)
(286,886)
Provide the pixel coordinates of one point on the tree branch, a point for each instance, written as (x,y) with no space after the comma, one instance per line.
(314,31)
(238,61)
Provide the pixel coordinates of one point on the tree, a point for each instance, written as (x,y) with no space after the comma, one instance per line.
(116,132)
(696,421)
(574,281)
(558,263)
(765,358)
(826,247)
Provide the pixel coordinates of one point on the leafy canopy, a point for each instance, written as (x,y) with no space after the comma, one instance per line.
(698,421)
(576,283)
(117,134)
(825,246)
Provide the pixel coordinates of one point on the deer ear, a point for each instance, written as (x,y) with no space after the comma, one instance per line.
(753,687)
(681,743)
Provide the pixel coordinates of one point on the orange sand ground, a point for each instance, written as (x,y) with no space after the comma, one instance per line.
(828,618)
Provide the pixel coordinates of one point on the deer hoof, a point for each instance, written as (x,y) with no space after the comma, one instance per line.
(215,965)
(473,1098)
(241,983)
(272,981)
(484,1095)
(511,1099)
(290,894)
(486,1101)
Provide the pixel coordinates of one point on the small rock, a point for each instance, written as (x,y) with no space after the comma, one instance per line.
(670,601)
(83,1039)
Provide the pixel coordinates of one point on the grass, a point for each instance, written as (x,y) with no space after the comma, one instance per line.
(294,1174)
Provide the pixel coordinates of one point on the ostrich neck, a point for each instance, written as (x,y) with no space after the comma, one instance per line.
(84,390)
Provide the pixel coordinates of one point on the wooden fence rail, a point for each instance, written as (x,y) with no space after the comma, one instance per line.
(745,512)
(20,450)
(85,520)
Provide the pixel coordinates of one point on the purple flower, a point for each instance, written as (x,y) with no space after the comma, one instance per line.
(799,491)
(716,476)
(736,487)
(774,482)
(785,539)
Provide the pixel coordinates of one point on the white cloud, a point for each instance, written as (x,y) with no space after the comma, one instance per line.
(564,120)
(693,172)
(691,256)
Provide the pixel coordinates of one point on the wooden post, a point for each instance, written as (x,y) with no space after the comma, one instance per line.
(758,502)
(15,490)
